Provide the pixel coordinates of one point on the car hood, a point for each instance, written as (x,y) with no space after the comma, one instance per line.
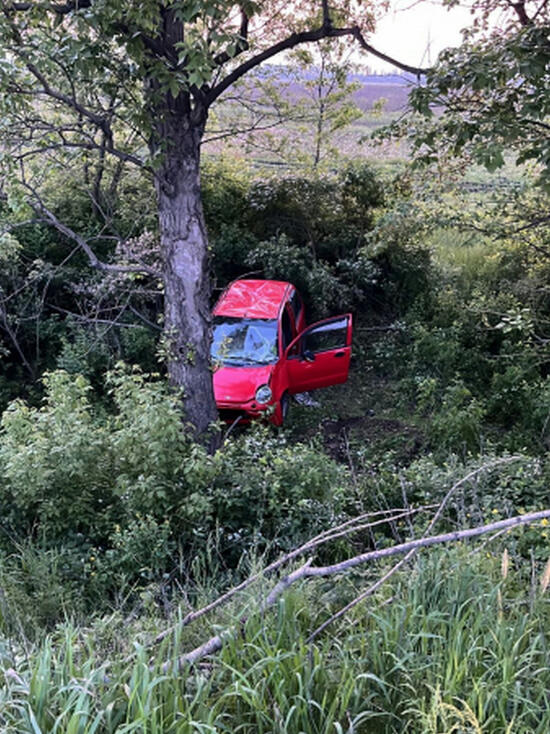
(239,384)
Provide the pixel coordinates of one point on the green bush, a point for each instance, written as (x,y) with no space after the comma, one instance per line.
(225,185)
(458,423)
(473,326)
(89,482)
(326,288)
(310,232)
(84,352)
(122,492)
(57,470)
(268,490)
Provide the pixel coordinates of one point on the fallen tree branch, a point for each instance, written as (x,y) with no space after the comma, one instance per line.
(215,643)
(456,535)
(307,570)
(349,527)
(370,591)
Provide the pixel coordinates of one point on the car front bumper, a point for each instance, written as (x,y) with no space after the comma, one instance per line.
(230,412)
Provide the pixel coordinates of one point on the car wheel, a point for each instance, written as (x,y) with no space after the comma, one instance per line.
(285,407)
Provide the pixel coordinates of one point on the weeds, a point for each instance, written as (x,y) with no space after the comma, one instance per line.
(433,653)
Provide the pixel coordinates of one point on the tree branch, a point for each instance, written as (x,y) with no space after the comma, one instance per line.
(215,643)
(242,44)
(99,120)
(295,39)
(368,592)
(521,12)
(5,324)
(327,23)
(350,527)
(120,155)
(47,215)
(61,9)
(416,70)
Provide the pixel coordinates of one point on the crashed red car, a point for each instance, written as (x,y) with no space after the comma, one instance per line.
(263,352)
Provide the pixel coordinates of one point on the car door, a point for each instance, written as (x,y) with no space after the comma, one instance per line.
(320,355)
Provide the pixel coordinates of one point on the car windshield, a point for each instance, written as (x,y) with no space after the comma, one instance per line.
(244,342)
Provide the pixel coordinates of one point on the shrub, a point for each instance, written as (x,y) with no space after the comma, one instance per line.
(90,482)
(55,464)
(457,426)
(326,288)
(266,489)
(124,495)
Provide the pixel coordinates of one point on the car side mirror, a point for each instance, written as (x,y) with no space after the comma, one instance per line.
(308,355)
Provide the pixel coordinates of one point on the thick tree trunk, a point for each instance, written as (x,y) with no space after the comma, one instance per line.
(186,270)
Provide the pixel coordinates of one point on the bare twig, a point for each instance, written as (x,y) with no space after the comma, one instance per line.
(214,644)
(5,324)
(356,524)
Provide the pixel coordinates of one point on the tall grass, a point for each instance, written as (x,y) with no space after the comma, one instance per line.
(450,647)
(466,255)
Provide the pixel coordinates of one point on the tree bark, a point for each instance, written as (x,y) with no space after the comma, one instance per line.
(186,271)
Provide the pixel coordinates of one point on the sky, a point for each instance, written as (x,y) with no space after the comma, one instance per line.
(416,32)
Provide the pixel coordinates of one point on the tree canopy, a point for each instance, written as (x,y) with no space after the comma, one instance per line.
(491,95)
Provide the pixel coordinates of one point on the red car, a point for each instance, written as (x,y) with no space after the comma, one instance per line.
(263,352)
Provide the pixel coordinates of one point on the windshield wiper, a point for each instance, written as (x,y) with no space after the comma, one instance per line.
(243,361)
(251,360)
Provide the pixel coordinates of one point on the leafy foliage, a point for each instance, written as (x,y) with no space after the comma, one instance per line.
(311,232)
(493,95)
(120,491)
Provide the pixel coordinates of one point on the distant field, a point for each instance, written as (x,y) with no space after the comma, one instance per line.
(381,98)
(390,87)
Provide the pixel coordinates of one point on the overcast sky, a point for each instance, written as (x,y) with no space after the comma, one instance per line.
(415,34)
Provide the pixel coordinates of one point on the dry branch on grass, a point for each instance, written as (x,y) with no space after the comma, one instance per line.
(308,570)
(349,527)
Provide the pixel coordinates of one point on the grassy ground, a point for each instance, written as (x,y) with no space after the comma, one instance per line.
(366,415)
(451,646)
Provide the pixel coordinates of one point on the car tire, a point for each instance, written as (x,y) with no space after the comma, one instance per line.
(284,407)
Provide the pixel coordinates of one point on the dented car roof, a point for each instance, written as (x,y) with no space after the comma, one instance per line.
(254,299)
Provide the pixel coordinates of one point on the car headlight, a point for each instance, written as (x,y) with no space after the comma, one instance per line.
(263,394)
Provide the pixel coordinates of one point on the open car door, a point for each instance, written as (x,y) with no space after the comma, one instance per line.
(320,355)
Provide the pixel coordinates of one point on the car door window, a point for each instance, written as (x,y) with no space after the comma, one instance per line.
(320,356)
(328,335)
(296,305)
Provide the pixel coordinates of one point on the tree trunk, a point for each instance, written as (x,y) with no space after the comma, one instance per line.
(186,271)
